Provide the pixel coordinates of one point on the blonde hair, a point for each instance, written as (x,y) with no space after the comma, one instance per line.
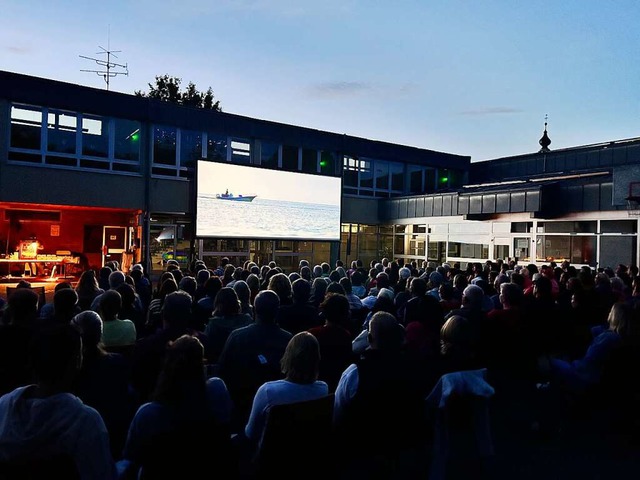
(619,319)
(455,335)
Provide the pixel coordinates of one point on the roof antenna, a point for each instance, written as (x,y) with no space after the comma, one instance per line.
(107,65)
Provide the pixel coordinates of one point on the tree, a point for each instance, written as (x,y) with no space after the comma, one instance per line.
(167,89)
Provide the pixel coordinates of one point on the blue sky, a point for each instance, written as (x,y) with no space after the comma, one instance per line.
(466,77)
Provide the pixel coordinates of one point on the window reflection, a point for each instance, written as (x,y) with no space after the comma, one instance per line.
(164,145)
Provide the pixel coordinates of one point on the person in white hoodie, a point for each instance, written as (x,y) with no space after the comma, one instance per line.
(44,420)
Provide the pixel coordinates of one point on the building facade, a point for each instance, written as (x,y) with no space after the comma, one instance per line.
(104,175)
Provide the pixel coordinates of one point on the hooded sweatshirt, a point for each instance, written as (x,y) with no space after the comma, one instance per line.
(59,424)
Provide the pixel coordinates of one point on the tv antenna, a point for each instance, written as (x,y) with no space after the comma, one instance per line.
(108,66)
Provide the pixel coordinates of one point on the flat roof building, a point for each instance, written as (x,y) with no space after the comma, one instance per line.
(101,176)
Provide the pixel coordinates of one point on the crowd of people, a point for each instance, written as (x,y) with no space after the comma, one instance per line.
(124,376)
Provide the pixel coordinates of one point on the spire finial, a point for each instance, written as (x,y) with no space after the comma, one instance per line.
(545,141)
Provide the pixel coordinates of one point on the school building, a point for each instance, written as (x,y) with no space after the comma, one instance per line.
(90,175)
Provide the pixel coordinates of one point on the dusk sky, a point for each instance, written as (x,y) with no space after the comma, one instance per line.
(466,77)
(214,178)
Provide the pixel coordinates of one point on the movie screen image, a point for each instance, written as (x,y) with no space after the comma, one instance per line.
(238,201)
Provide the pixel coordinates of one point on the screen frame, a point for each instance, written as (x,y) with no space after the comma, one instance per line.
(260,167)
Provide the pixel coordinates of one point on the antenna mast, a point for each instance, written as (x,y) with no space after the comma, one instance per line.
(107,65)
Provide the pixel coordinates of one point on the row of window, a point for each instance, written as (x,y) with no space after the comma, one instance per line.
(60,138)
(381,178)
(42,135)
(369,242)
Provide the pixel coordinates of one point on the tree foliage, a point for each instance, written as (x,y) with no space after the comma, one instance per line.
(167,89)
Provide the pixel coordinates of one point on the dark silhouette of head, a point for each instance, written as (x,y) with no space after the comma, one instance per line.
(176,310)
(266,306)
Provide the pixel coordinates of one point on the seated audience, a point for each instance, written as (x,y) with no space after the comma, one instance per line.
(380,401)
(300,315)
(334,338)
(299,364)
(45,419)
(251,355)
(226,318)
(103,380)
(184,429)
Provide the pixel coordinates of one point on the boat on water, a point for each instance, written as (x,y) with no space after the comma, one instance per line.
(237,198)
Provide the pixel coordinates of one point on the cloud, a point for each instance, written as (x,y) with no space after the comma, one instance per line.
(18,50)
(338,89)
(491,111)
(342,89)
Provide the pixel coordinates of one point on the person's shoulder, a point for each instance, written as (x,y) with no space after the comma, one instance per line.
(216,383)
(241,332)
(350,372)
(316,330)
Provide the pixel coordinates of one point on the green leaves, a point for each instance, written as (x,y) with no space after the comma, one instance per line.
(167,89)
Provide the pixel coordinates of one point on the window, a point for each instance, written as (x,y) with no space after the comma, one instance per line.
(618,226)
(396,170)
(74,140)
(240,151)
(164,146)
(61,132)
(469,250)
(415,179)
(521,227)
(328,162)
(350,169)
(290,158)
(382,175)
(127,140)
(309,160)
(216,147)
(269,153)
(190,148)
(366,174)
(95,137)
(578,249)
(26,128)
(567,227)
(429,180)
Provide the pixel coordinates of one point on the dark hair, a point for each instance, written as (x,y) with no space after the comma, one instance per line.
(419,287)
(52,350)
(346,284)
(335,308)
(212,286)
(301,359)
(64,303)
(110,304)
(301,289)
(128,294)
(335,287)
(266,306)
(176,308)
(182,382)
(334,276)
(226,303)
